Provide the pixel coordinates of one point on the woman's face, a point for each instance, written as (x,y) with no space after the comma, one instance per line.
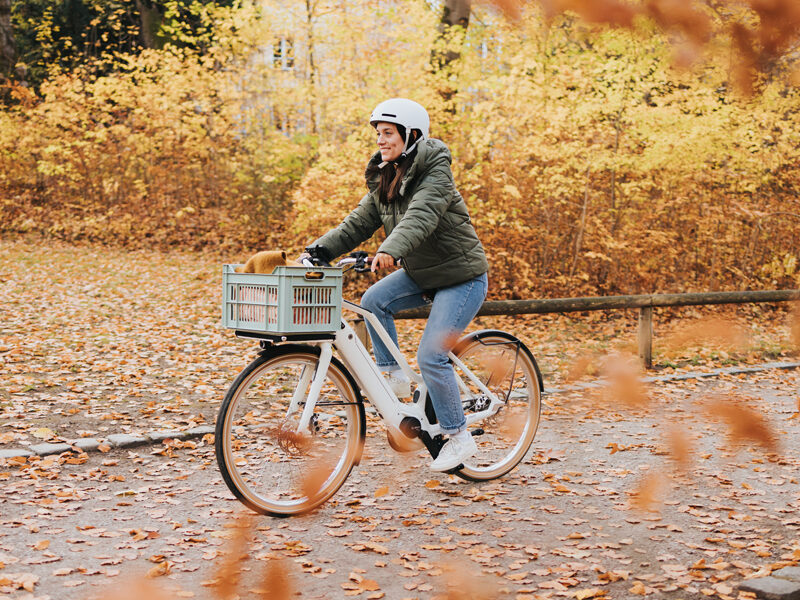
(390,143)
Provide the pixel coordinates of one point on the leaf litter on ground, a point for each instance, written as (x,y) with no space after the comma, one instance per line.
(140,365)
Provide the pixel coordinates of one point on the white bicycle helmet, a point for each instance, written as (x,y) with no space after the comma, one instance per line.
(407,113)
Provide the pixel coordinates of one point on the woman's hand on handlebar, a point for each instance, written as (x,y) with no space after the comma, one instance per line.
(315,256)
(381,260)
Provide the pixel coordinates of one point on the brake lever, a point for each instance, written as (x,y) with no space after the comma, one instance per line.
(361,265)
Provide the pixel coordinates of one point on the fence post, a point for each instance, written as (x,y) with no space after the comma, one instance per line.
(646,336)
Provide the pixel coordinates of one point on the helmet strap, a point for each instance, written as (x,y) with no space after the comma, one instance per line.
(406,150)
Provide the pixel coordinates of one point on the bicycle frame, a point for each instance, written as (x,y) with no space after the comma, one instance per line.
(361,365)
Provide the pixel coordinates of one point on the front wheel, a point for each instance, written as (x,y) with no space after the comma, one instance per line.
(268,464)
(508,369)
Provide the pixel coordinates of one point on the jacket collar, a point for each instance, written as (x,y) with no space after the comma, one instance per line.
(425,151)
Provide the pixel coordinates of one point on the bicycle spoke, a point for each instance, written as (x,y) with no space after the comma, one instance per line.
(267,461)
(507,374)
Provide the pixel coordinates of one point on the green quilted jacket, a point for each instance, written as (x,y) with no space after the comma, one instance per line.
(428,226)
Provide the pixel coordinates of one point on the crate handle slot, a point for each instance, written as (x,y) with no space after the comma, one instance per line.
(314,275)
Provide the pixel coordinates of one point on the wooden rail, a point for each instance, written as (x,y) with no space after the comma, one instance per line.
(644,302)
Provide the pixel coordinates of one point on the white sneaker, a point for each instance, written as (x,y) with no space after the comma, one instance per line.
(454,452)
(400,384)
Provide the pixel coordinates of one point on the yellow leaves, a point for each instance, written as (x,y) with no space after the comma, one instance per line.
(381,491)
(432,483)
(186,210)
(43,433)
(749,30)
(512,191)
(18,581)
(639,589)
(212,178)
(599,256)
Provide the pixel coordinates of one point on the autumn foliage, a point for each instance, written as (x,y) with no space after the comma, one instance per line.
(660,154)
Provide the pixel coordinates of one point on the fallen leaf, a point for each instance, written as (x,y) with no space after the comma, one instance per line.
(162,568)
(744,423)
(590,593)
(43,433)
(648,492)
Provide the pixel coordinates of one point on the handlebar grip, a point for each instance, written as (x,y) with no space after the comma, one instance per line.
(369,260)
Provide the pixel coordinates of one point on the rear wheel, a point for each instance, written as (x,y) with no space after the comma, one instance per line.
(508,369)
(266,462)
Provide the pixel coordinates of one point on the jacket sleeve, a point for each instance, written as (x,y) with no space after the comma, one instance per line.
(356,228)
(425,209)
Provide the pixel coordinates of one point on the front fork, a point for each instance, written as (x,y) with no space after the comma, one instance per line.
(316,378)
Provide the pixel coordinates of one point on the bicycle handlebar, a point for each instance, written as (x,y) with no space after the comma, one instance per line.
(360,260)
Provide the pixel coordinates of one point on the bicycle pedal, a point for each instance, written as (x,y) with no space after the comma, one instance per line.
(313,424)
(477,431)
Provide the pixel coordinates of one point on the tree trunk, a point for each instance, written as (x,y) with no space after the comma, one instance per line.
(8,50)
(444,57)
(312,67)
(149,24)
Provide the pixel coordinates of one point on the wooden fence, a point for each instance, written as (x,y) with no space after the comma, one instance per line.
(645,303)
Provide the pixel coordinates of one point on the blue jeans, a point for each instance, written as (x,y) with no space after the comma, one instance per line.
(452,309)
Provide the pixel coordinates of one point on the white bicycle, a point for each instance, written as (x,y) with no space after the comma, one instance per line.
(292,425)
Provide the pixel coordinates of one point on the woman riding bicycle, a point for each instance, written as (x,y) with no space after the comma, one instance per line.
(412,194)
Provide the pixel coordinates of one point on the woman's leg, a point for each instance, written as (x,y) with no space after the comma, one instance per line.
(453,309)
(395,292)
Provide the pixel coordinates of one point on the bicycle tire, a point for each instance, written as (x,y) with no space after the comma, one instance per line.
(266,465)
(506,366)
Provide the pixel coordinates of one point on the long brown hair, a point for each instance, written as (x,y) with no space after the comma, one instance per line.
(391,175)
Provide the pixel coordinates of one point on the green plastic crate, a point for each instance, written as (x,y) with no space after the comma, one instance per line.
(288,300)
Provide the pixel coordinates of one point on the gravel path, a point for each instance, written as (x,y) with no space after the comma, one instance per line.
(561,525)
